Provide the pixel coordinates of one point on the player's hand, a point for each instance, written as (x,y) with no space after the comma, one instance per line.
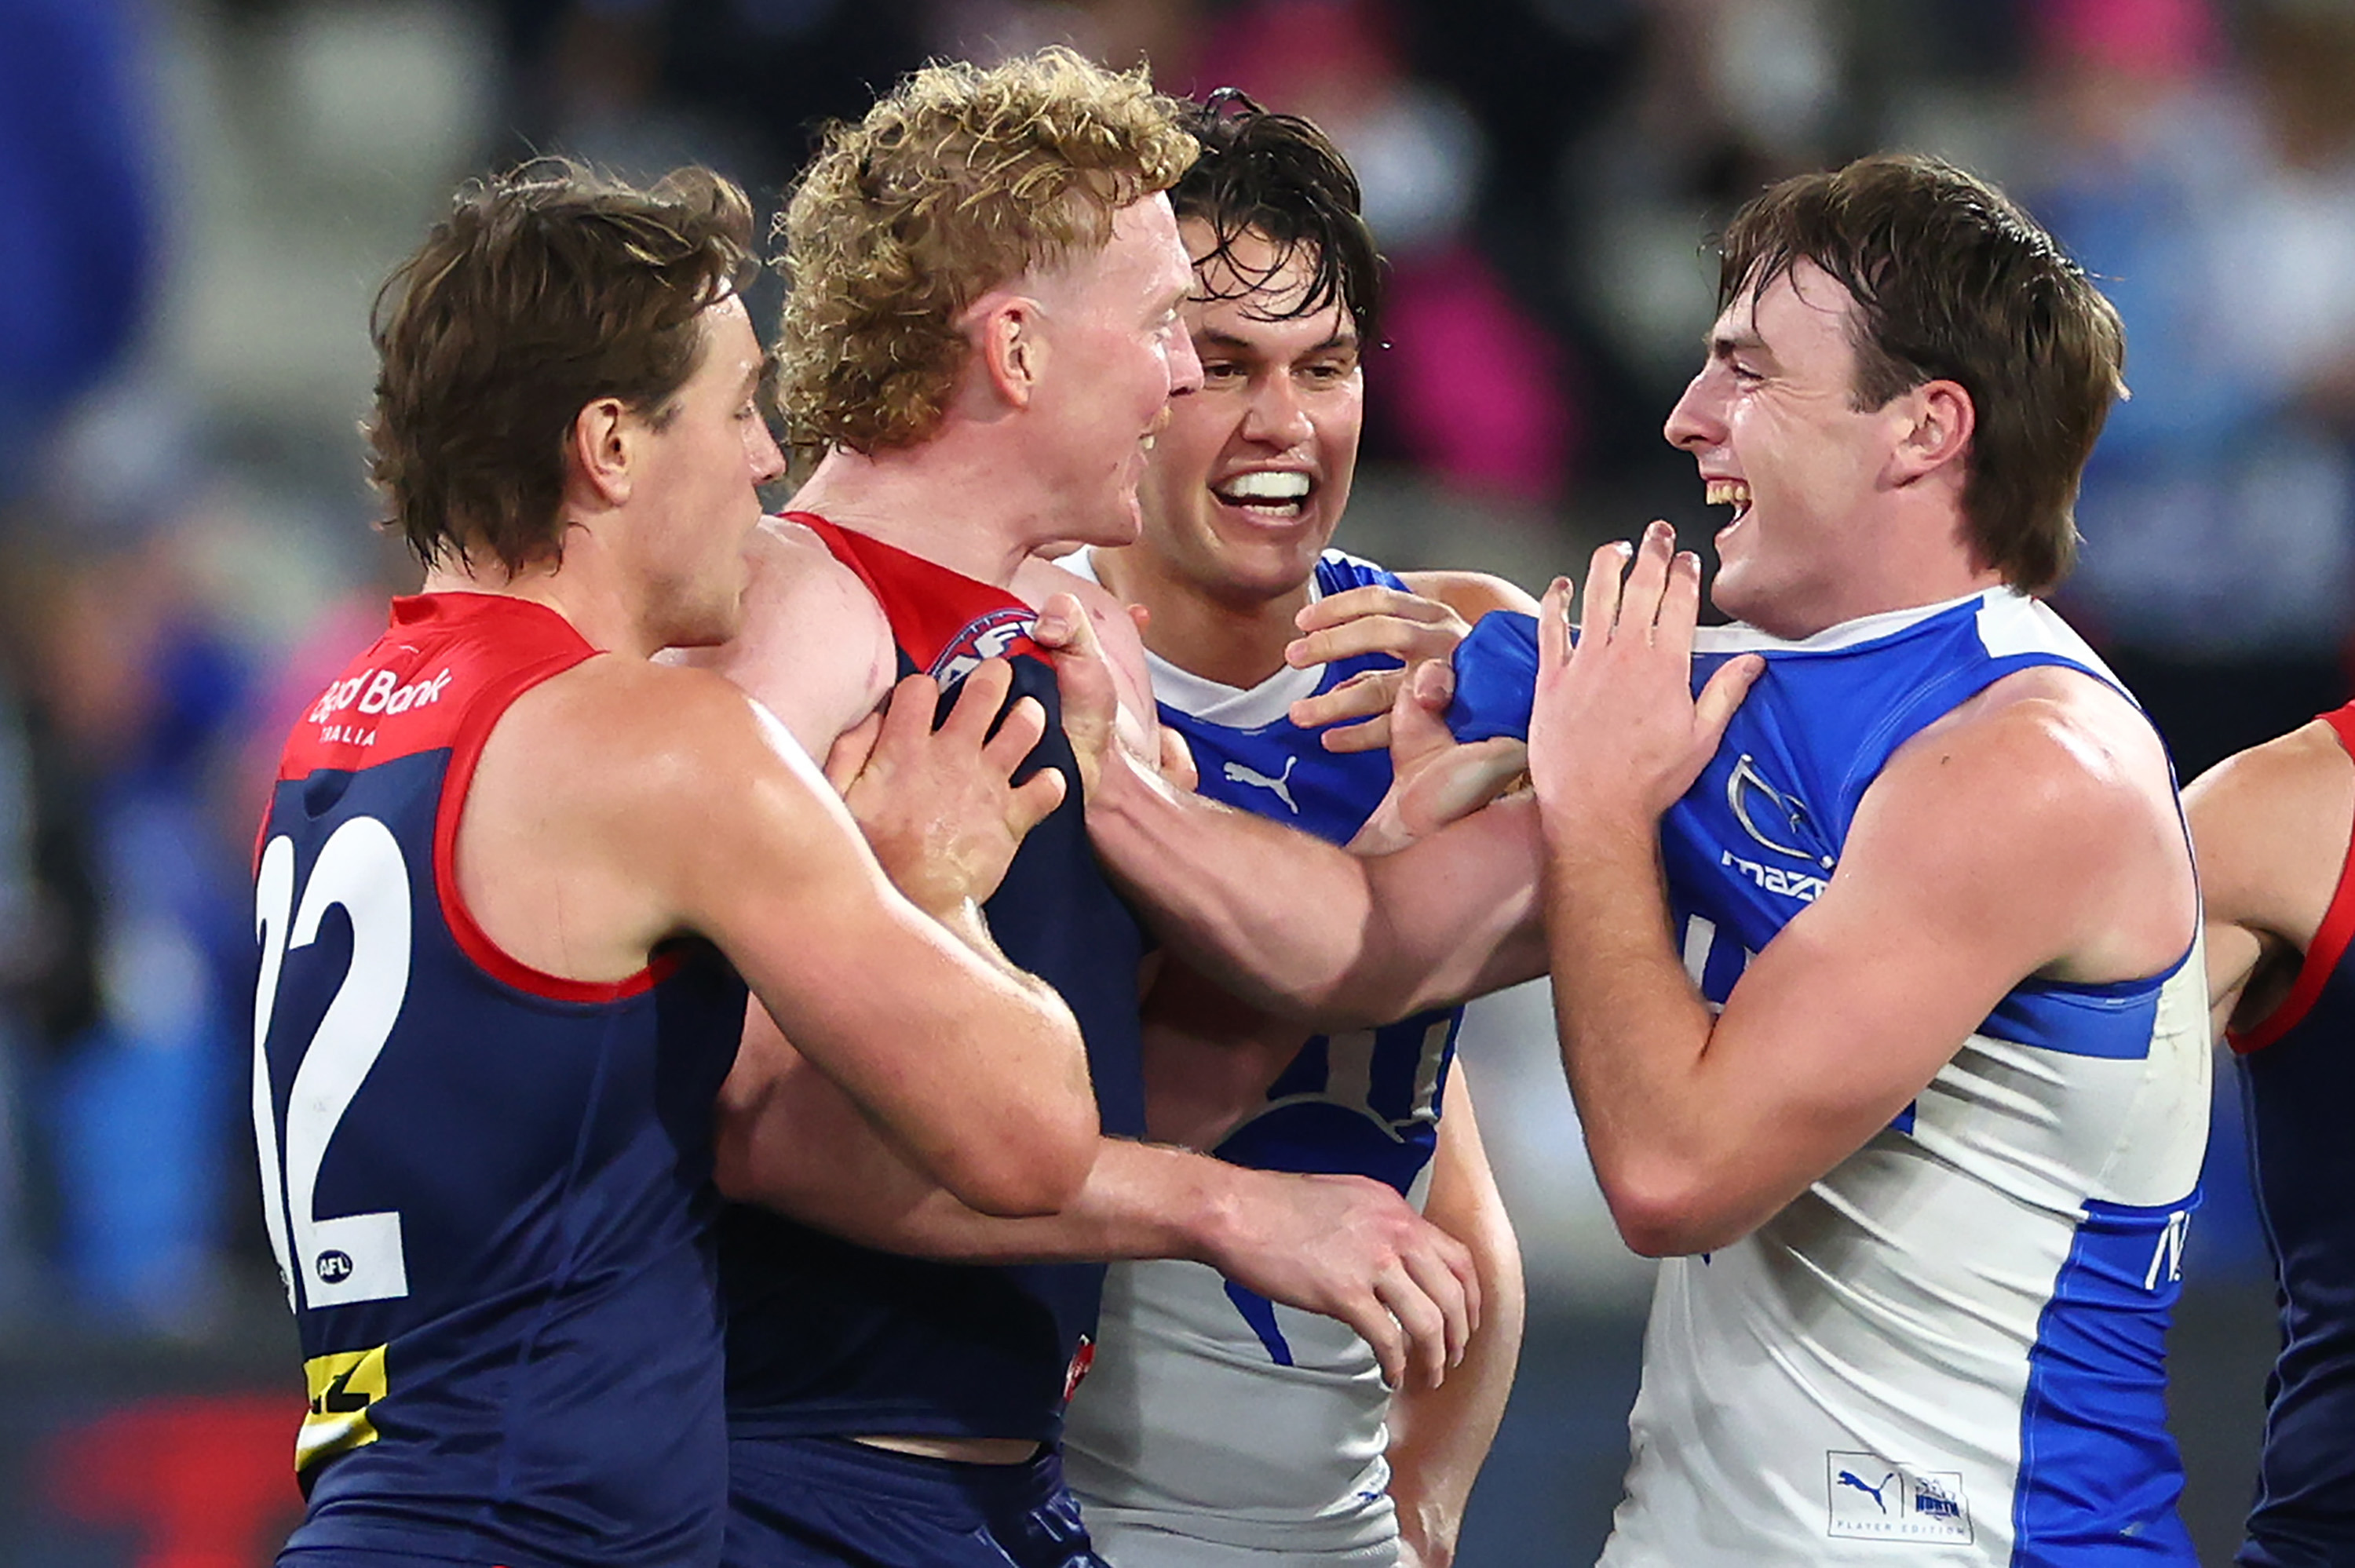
(1094,721)
(1352,1249)
(1436,780)
(939,806)
(1616,735)
(1370,620)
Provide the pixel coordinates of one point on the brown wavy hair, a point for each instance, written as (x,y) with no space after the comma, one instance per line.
(958,181)
(546,288)
(1954,283)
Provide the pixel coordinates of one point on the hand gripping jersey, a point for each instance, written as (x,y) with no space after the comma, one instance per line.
(825,1338)
(1214,1414)
(2297,1075)
(488,1188)
(1950,1348)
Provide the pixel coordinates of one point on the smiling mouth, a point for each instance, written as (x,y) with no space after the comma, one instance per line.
(1731,492)
(1276,496)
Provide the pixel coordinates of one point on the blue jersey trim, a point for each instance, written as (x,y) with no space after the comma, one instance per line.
(2094,1414)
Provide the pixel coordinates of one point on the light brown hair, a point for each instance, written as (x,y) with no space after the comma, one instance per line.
(546,288)
(1952,282)
(957,182)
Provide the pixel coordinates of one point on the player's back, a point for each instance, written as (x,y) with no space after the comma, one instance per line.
(2297,1075)
(487,1187)
(1215,1415)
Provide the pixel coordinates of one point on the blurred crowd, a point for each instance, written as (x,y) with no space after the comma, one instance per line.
(202,196)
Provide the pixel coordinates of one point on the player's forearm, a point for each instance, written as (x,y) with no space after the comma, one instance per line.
(1314,934)
(1276,916)
(1441,1436)
(1139,1201)
(1633,1033)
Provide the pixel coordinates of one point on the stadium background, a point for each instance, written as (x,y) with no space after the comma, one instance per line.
(197,198)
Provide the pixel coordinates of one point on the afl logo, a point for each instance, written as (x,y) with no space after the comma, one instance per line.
(1766,814)
(334,1265)
(1000,634)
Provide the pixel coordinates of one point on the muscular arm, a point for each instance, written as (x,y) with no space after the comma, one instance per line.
(681,808)
(1440,1438)
(2272,827)
(1352,942)
(1337,1244)
(2032,832)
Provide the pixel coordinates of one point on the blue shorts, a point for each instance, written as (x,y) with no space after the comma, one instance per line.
(827,1502)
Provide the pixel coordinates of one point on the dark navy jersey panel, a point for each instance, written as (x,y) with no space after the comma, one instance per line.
(828,1338)
(2297,1082)
(492,1197)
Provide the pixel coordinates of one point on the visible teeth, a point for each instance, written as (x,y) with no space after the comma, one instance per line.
(1727,493)
(1148,443)
(1275,486)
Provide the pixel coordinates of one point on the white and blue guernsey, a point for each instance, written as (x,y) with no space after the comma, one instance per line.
(1949,1349)
(1219,1427)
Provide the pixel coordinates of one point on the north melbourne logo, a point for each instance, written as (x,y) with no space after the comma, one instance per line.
(1872,1499)
(1776,819)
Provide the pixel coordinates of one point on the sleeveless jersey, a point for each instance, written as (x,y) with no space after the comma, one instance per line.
(1950,1348)
(1215,1413)
(2297,1074)
(487,1188)
(827,1337)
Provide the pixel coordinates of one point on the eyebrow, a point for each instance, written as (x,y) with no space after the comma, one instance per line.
(1725,344)
(1344,339)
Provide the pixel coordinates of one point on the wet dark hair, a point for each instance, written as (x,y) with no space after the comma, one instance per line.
(1954,283)
(1278,175)
(545,289)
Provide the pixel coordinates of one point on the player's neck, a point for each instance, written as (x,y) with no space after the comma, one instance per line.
(936,502)
(591,600)
(1237,641)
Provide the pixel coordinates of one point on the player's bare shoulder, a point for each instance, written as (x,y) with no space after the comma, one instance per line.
(814,646)
(2272,826)
(2055,783)
(1037,580)
(594,795)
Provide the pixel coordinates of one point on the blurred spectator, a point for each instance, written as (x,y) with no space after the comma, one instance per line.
(131,698)
(1474,389)
(76,257)
(2217,203)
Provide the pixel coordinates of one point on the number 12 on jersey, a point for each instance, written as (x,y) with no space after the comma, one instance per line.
(345,1258)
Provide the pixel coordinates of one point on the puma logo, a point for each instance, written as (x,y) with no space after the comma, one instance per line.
(1241,773)
(1850,1479)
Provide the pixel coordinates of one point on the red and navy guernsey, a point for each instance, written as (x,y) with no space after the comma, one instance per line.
(2297,1075)
(488,1188)
(825,1338)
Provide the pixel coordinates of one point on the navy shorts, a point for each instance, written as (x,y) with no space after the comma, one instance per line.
(827,1502)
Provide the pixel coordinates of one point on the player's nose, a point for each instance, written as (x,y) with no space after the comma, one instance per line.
(1277,415)
(1185,364)
(767,459)
(1696,420)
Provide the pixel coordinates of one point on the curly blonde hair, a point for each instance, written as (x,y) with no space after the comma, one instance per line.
(957,182)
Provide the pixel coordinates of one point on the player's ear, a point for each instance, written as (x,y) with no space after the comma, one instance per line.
(1939,417)
(1009,349)
(602,450)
